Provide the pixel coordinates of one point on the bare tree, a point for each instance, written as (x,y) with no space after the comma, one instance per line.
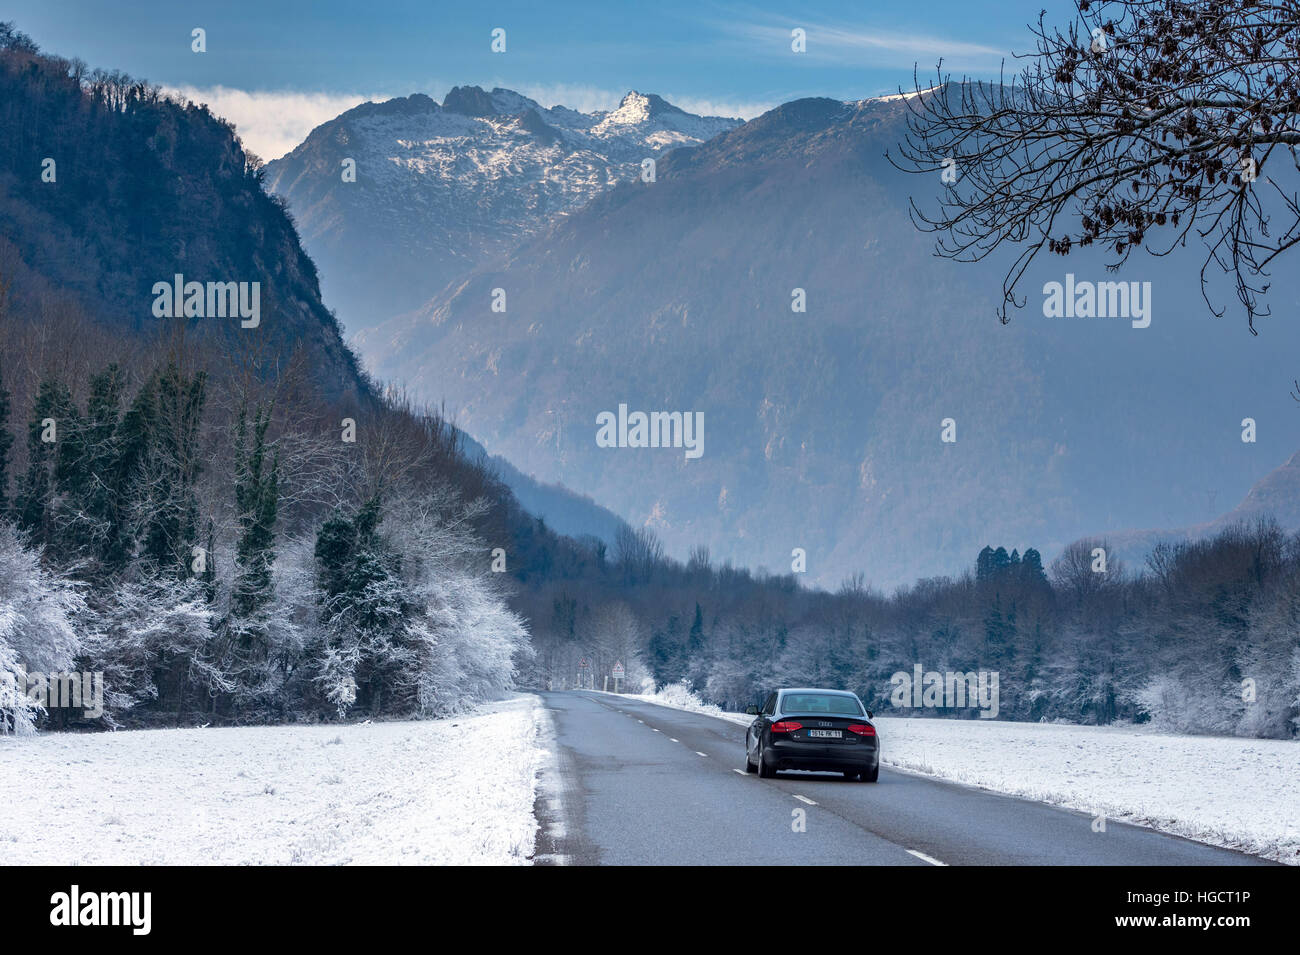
(1138,124)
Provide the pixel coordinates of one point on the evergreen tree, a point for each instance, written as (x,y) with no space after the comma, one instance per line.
(695,639)
(52,418)
(6,442)
(1032,567)
(171,424)
(257,491)
(364,611)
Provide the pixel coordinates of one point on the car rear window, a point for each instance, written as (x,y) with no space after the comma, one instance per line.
(820,703)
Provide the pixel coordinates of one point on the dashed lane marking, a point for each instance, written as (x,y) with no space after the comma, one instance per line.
(925,858)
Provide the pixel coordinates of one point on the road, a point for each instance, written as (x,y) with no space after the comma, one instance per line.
(639,784)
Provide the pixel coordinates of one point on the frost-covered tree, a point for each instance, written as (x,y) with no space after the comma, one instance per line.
(153,641)
(38,610)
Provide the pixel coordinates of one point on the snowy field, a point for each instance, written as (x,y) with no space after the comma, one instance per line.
(453,791)
(1227,791)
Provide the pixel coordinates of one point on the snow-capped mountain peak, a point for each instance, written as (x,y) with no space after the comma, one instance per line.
(637,108)
(441,187)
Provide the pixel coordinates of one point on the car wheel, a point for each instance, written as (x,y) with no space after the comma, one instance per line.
(764,770)
(870,775)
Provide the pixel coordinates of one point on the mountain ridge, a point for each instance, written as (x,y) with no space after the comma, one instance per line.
(441,188)
(824,426)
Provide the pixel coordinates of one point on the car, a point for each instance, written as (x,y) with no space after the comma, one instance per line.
(809,728)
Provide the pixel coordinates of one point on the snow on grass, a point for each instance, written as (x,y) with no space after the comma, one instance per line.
(681,697)
(1240,793)
(1227,791)
(453,791)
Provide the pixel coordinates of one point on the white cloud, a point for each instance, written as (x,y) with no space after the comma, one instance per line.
(273,122)
(732,109)
(866,47)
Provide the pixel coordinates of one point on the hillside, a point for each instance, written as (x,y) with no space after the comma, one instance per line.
(108,187)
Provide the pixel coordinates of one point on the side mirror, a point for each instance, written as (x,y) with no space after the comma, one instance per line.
(751,710)
(870,715)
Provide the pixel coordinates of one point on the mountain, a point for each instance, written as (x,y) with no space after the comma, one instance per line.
(111,187)
(441,188)
(823,428)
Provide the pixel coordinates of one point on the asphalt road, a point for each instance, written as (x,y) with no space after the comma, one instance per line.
(640,784)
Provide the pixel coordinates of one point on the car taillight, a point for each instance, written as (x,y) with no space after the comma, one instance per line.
(786,726)
(862,729)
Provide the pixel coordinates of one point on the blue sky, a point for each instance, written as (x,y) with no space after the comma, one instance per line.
(278,68)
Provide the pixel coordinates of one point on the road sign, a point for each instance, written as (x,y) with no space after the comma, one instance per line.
(582,664)
(618,671)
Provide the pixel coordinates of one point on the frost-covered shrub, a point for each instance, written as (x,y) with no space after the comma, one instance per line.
(37,629)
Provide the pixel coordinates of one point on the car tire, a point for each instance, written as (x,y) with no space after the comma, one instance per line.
(764,770)
(870,775)
(749,766)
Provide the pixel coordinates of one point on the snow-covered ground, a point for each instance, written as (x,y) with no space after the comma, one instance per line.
(453,791)
(1227,791)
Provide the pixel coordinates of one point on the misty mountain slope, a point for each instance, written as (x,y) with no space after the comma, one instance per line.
(1275,496)
(822,429)
(565,512)
(441,188)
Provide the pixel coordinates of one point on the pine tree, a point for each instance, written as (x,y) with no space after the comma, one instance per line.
(364,610)
(6,442)
(257,491)
(1032,567)
(52,417)
(172,461)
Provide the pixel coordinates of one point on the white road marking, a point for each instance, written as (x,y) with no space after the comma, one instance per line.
(674,740)
(654,729)
(801,798)
(924,858)
(698,753)
(741,771)
(642,722)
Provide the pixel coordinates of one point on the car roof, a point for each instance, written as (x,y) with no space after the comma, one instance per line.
(815,689)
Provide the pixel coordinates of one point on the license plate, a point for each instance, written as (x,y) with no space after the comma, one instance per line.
(826,734)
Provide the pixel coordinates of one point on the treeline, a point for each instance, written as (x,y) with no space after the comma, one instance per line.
(1204,638)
